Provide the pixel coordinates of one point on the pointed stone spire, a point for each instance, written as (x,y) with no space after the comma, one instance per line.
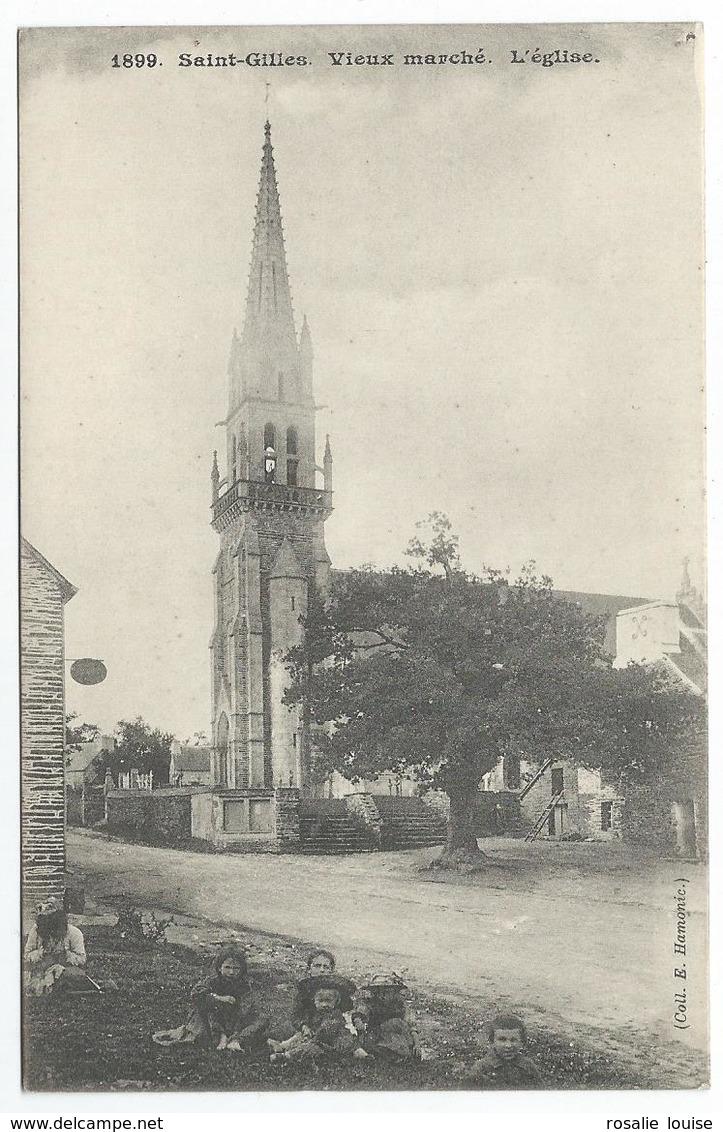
(328,464)
(269,315)
(688,594)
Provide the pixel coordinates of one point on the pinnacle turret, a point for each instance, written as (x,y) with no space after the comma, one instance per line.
(306,356)
(328,466)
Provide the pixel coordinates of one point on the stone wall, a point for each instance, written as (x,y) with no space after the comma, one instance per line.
(286,818)
(438,801)
(253,820)
(158,815)
(42,731)
(650,818)
(591,814)
(365,813)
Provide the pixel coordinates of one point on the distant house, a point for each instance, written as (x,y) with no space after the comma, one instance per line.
(673,632)
(562,798)
(44,593)
(190,766)
(84,767)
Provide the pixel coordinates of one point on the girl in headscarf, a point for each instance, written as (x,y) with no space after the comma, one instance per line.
(380,1019)
(223,1013)
(55,953)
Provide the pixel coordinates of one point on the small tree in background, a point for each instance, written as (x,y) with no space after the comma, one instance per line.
(138,746)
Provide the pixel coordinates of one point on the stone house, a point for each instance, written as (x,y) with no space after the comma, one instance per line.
(44,593)
(561,798)
(190,766)
(83,767)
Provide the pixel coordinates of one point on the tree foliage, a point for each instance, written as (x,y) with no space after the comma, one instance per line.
(432,671)
(138,746)
(77,733)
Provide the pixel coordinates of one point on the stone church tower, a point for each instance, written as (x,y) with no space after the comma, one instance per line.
(270,517)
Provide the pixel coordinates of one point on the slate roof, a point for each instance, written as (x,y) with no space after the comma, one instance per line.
(67,589)
(189,759)
(607,605)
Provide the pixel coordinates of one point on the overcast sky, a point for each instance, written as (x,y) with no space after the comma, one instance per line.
(501,268)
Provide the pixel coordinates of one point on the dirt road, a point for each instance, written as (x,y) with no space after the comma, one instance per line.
(581,935)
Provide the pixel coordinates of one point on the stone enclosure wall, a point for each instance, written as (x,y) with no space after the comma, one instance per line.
(158,815)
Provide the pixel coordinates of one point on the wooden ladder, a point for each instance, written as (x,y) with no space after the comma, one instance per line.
(537,775)
(555,800)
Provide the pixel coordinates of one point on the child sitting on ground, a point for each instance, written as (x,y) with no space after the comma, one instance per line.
(505,1065)
(55,954)
(380,1019)
(320,967)
(223,1013)
(324,1034)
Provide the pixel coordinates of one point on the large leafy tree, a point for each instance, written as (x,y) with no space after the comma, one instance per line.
(431,671)
(141,747)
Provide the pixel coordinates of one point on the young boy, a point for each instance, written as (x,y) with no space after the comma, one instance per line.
(323,1035)
(505,1065)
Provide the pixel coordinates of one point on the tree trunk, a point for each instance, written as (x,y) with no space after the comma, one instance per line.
(461,851)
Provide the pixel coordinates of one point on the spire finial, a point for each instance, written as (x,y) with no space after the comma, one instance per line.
(267,123)
(268,303)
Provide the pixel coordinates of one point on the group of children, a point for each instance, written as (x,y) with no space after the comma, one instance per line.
(332,1019)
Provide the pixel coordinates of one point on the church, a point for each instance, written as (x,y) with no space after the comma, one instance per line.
(269,513)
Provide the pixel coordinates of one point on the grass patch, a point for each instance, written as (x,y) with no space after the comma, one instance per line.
(103,1043)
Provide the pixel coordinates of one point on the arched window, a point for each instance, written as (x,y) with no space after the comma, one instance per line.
(269,453)
(292,457)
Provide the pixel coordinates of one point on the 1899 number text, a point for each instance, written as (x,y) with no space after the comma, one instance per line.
(135,60)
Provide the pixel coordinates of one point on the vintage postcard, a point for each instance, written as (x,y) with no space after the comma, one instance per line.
(363,596)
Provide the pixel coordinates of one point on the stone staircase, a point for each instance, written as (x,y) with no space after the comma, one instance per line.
(408,824)
(326,827)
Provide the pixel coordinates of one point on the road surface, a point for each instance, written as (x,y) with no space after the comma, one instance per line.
(585,947)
